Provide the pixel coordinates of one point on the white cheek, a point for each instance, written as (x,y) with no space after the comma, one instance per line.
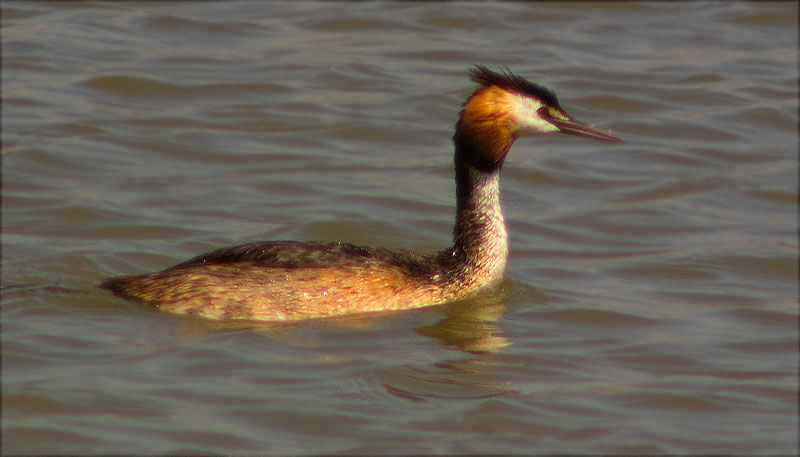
(528,121)
(536,126)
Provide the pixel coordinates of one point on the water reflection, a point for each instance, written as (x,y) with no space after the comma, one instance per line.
(471,325)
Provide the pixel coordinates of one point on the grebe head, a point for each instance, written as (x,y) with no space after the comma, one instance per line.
(506,107)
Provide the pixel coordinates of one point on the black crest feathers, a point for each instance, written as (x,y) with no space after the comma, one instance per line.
(512,83)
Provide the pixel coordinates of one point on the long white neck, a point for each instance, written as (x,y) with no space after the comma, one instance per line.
(480,242)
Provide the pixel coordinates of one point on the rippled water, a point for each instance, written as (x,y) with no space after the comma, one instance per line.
(651,299)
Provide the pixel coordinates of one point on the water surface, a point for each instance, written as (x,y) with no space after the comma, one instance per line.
(650,304)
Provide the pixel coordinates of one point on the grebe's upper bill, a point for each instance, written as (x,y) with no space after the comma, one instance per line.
(569,125)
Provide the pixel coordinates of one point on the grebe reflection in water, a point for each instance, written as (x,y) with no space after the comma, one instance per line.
(293,280)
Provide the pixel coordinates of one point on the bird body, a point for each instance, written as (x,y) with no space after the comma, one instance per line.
(292,280)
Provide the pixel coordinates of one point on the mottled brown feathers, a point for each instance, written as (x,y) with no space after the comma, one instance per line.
(287,280)
(297,254)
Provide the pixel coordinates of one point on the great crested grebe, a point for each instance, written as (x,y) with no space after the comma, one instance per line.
(293,280)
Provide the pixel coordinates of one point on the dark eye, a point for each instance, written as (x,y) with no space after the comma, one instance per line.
(544,112)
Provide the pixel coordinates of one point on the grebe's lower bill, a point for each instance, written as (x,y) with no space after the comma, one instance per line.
(292,280)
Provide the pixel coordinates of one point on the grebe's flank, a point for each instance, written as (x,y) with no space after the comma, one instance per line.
(292,280)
